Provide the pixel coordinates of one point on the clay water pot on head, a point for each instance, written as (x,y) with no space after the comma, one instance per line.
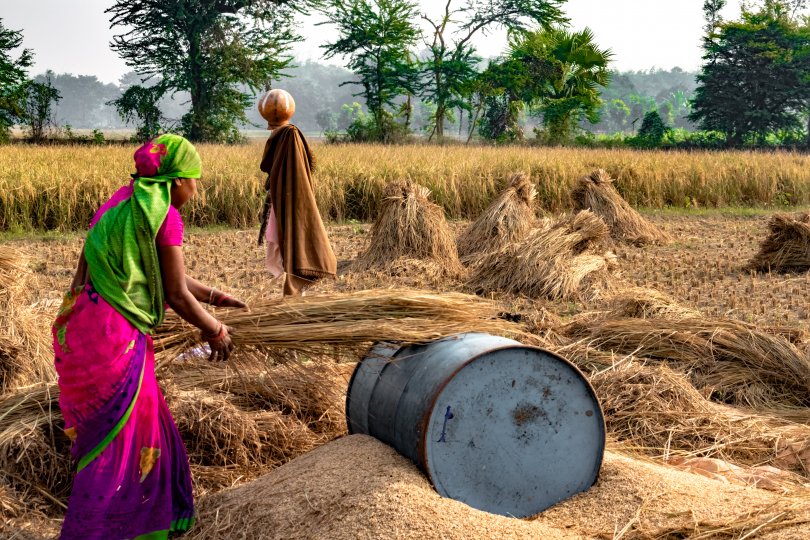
(277,107)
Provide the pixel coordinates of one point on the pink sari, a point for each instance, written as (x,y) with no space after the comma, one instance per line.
(133,479)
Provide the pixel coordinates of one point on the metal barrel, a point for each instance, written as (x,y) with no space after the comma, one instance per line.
(500,426)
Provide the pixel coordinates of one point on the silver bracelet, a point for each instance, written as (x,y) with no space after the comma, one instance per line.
(211,296)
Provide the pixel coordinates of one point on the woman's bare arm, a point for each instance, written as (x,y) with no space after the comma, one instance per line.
(181,300)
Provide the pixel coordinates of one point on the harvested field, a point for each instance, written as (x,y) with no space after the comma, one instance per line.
(787,247)
(243,421)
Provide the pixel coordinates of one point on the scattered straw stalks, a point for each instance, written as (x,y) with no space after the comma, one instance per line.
(509,218)
(562,261)
(331,324)
(787,247)
(24,348)
(597,193)
(410,226)
(731,361)
(657,411)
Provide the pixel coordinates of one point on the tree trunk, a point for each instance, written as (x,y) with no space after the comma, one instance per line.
(197,91)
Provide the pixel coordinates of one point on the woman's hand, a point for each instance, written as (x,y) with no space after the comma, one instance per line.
(230,302)
(221,344)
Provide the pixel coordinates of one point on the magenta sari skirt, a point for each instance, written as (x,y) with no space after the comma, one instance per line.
(133,479)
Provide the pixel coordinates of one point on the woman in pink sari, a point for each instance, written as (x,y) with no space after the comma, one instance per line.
(132,475)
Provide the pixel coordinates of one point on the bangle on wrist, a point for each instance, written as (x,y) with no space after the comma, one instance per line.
(216,336)
(211,296)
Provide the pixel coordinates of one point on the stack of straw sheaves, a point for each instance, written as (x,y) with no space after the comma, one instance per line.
(787,247)
(558,261)
(410,231)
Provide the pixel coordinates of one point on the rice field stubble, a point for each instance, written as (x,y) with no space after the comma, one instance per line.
(60,187)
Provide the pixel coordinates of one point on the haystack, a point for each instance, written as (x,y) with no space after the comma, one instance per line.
(658,412)
(731,361)
(787,247)
(409,226)
(597,193)
(644,303)
(560,262)
(357,487)
(508,219)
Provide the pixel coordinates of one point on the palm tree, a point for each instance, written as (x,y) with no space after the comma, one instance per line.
(565,71)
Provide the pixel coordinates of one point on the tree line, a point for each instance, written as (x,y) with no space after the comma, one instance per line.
(198,65)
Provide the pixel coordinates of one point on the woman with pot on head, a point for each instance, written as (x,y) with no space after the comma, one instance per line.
(297,243)
(132,475)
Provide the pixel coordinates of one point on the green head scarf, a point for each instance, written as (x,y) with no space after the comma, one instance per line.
(120,249)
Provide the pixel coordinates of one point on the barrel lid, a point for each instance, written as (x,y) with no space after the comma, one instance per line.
(513,432)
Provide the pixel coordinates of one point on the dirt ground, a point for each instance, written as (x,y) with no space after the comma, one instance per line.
(703,268)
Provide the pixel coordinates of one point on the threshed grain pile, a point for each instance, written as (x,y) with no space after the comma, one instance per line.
(597,193)
(409,227)
(560,261)
(356,487)
(24,348)
(787,247)
(509,218)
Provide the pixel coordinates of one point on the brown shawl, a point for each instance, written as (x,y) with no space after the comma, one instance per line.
(304,244)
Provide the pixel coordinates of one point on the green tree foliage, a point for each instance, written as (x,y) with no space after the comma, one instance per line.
(560,74)
(138,106)
(38,107)
(206,48)
(13,77)
(738,93)
(451,66)
(653,130)
(377,37)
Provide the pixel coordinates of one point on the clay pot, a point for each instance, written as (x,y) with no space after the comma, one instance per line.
(277,107)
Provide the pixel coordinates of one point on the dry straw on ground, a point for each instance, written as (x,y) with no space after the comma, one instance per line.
(562,261)
(597,193)
(734,362)
(357,487)
(509,218)
(787,247)
(658,412)
(25,354)
(409,226)
(329,324)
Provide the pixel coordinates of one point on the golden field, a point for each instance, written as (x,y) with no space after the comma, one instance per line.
(59,187)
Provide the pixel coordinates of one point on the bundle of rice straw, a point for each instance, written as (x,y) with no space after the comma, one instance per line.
(509,218)
(24,349)
(596,193)
(558,262)
(644,303)
(732,361)
(34,452)
(316,325)
(787,247)
(409,226)
(658,412)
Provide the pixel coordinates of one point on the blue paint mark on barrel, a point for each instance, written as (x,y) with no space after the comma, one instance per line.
(500,426)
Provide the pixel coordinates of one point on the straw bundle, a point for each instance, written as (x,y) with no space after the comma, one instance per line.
(734,362)
(508,219)
(24,349)
(659,412)
(34,452)
(557,263)
(597,193)
(787,247)
(316,325)
(643,303)
(409,226)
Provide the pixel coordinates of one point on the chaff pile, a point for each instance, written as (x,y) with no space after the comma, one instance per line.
(410,226)
(787,247)
(562,261)
(731,361)
(508,219)
(597,193)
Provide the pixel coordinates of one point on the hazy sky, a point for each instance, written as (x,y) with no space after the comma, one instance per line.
(73,35)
